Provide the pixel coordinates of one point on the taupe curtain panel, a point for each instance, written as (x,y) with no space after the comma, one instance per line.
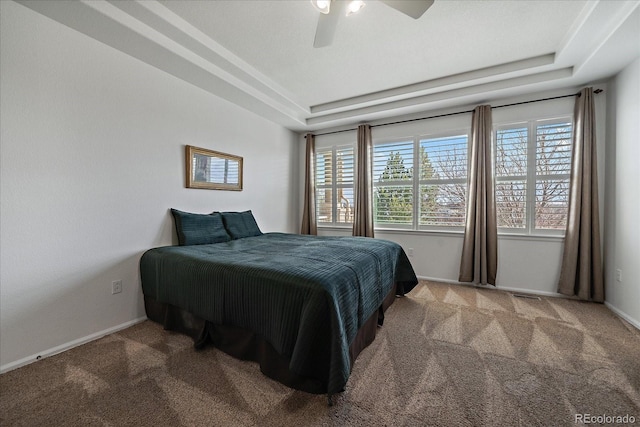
(581,272)
(479,263)
(309,225)
(363,212)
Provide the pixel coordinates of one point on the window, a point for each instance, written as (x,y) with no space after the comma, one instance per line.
(533,164)
(432,198)
(443,180)
(420,181)
(334,185)
(393,183)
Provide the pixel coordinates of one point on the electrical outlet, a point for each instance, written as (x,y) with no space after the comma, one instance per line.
(116,287)
(410,251)
(618,275)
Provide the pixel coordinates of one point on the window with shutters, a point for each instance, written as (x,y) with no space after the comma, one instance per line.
(334,185)
(532,168)
(443,180)
(420,183)
(393,183)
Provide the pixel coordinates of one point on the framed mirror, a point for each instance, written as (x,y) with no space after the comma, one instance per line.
(213,170)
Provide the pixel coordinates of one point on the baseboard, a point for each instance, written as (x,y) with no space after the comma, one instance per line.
(67,346)
(500,288)
(624,315)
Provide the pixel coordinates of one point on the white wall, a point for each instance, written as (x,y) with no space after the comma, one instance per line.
(622,224)
(92,158)
(525,263)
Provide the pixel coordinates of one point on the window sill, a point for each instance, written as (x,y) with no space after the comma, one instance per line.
(536,237)
(451,233)
(336,227)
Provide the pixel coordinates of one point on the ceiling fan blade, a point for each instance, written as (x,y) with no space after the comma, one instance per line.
(328,23)
(413,8)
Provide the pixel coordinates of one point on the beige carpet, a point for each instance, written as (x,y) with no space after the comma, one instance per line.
(447,355)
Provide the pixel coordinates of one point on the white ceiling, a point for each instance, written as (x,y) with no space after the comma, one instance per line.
(260,55)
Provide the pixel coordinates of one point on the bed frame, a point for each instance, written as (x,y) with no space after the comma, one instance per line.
(246,345)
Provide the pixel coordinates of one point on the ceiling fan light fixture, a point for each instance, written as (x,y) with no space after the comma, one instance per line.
(323,6)
(354,7)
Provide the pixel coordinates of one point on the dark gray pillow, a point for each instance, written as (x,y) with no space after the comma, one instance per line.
(240,224)
(199,229)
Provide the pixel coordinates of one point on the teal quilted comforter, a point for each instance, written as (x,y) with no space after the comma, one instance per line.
(306,295)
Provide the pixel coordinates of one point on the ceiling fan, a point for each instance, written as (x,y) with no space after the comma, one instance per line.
(332,10)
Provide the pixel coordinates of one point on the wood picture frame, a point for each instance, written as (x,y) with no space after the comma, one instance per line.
(212,170)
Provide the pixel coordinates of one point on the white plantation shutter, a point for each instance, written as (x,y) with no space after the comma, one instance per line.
(382,155)
(553,167)
(511,177)
(533,162)
(434,197)
(420,182)
(344,167)
(334,185)
(511,203)
(443,167)
(324,186)
(393,183)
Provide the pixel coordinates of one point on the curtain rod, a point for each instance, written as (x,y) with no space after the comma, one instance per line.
(456,113)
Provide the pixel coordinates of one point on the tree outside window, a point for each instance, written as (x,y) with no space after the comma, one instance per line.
(420,183)
(533,164)
(434,197)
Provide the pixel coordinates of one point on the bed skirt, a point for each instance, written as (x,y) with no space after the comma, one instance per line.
(246,345)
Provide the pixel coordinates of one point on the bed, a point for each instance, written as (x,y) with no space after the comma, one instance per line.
(301,306)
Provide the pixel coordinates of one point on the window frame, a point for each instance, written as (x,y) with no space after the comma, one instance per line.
(374,184)
(531,177)
(522,116)
(465,181)
(416,182)
(334,186)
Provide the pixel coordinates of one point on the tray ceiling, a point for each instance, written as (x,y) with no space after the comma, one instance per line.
(260,54)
